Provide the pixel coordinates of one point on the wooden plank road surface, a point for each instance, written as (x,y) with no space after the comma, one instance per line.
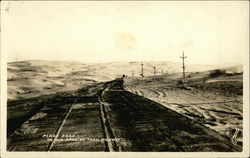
(113,119)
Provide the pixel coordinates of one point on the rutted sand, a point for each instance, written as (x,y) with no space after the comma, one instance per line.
(221,112)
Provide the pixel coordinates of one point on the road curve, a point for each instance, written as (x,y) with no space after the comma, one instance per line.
(113,119)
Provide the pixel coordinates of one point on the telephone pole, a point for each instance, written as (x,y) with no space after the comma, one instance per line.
(142,70)
(183,64)
(162,71)
(154,70)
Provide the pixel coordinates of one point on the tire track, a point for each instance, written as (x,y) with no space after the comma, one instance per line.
(224,104)
(188,103)
(201,115)
(159,129)
(155,92)
(164,94)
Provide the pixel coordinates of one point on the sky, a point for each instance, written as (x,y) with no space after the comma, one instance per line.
(106,31)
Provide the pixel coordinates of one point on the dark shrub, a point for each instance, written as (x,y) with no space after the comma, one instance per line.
(216,73)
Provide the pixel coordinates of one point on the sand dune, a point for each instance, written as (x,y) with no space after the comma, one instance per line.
(37,77)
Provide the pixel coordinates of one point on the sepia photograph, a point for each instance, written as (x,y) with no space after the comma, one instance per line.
(158,77)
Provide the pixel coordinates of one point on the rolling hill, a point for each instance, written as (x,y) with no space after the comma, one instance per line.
(33,78)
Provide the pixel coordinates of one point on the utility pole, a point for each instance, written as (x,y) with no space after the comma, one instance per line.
(183,64)
(154,70)
(162,71)
(142,70)
(133,74)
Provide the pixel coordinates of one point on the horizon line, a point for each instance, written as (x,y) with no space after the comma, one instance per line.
(103,62)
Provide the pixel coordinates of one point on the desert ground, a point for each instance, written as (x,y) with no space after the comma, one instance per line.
(215,102)
(74,106)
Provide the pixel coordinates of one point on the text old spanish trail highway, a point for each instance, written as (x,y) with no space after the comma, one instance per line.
(110,118)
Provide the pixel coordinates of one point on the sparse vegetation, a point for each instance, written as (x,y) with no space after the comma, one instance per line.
(225,87)
(216,73)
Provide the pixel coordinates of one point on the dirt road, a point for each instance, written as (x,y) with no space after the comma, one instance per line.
(113,119)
